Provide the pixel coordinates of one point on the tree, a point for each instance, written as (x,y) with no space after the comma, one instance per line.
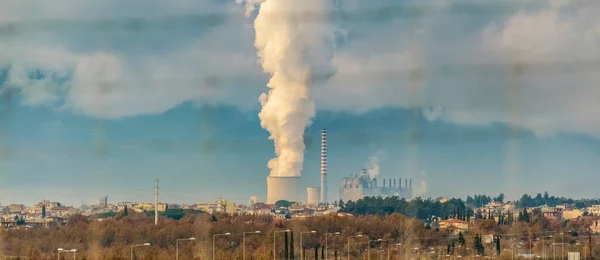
(44,211)
(283,204)
(341,203)
(497,245)
(125,213)
(286,249)
(478,245)
(461,239)
(499,198)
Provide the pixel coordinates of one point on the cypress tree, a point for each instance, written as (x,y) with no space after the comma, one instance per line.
(498,245)
(285,250)
(44,211)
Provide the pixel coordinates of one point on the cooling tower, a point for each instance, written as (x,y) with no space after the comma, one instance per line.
(253,200)
(323,166)
(314,195)
(282,188)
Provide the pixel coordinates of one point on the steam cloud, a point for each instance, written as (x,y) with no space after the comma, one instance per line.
(373,165)
(296,50)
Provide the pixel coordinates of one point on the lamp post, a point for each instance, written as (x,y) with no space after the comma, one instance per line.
(177,245)
(562,244)
(244,242)
(213,245)
(145,244)
(275,235)
(349,244)
(302,245)
(74,251)
(326,251)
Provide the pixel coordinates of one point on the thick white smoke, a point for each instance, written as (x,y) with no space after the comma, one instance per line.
(295,41)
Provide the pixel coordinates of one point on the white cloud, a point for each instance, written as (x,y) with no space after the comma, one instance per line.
(460,64)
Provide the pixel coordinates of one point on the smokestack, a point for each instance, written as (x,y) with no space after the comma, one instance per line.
(406,183)
(384,182)
(394,182)
(410,184)
(324,166)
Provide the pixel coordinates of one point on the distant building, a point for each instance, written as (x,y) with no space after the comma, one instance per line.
(16,208)
(595,227)
(572,214)
(594,210)
(230,208)
(454,225)
(103,200)
(355,187)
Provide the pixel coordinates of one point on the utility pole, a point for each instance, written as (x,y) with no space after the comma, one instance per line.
(156,200)
(590,244)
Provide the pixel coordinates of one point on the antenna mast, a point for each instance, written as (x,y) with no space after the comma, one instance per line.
(156,200)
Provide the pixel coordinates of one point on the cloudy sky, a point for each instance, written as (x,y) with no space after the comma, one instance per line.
(464,97)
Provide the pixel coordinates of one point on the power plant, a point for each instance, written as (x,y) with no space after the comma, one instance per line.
(355,187)
(282,188)
(352,188)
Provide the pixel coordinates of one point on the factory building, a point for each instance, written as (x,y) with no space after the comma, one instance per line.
(355,187)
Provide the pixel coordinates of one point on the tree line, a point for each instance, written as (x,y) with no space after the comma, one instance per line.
(425,208)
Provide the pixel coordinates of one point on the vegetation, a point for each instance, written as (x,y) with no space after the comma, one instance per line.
(424,209)
(111,238)
(419,208)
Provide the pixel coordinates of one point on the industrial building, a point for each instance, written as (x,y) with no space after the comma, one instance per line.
(357,186)
(282,188)
(287,187)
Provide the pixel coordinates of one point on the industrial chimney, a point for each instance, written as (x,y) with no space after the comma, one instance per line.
(324,166)
(410,184)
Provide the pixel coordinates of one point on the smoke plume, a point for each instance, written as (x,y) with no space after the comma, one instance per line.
(373,165)
(295,42)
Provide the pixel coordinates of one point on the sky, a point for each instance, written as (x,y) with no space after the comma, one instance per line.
(464,97)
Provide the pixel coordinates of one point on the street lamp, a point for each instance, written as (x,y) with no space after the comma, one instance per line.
(144,244)
(562,244)
(302,245)
(349,244)
(275,235)
(244,242)
(177,245)
(326,251)
(215,235)
(74,251)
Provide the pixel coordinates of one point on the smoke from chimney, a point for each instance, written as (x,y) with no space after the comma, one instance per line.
(296,51)
(373,165)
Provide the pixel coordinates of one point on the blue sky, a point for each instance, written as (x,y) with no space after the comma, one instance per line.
(94,103)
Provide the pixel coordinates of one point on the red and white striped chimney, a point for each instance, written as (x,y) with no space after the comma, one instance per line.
(324,166)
